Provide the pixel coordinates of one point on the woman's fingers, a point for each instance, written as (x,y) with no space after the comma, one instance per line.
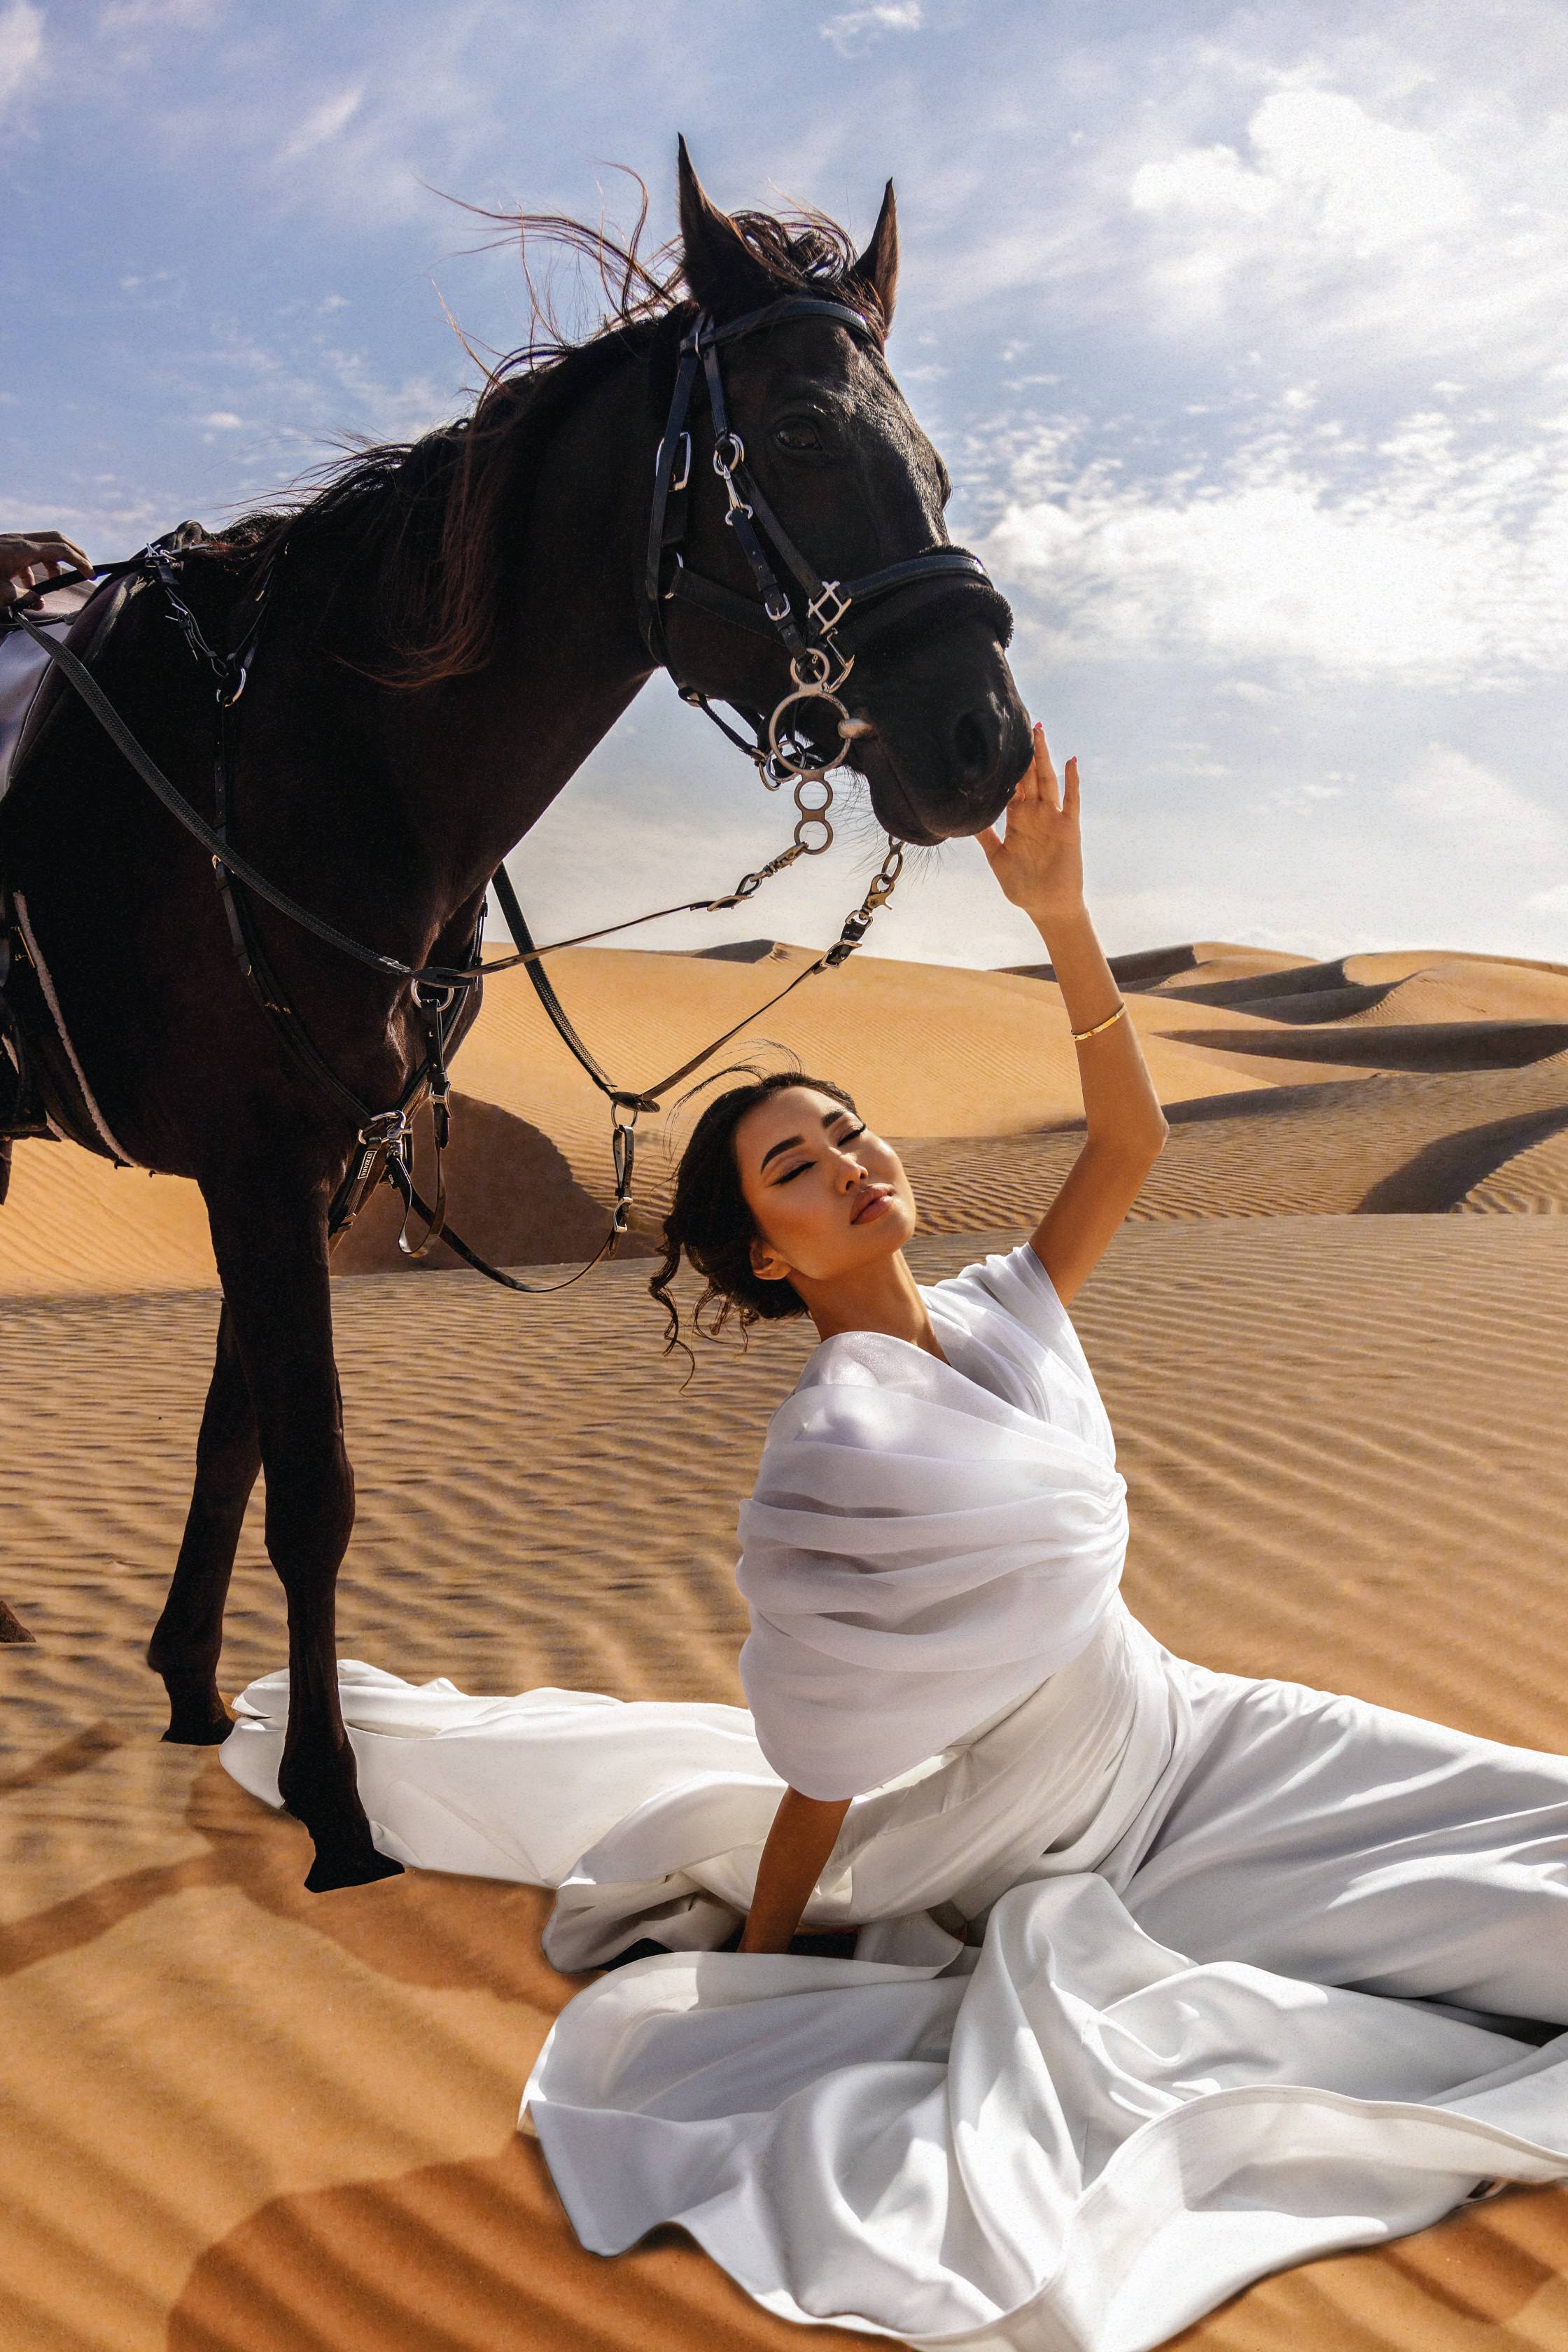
(1039,780)
(1044,774)
(32,558)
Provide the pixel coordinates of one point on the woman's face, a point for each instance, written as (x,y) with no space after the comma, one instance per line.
(828,1194)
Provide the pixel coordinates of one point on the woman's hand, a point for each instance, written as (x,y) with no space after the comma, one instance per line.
(1038,860)
(28,558)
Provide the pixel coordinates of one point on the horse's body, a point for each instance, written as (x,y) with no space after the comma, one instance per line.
(386,809)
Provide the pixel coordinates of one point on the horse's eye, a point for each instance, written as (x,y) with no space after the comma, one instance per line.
(798,435)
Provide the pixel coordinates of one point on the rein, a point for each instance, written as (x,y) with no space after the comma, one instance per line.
(782,750)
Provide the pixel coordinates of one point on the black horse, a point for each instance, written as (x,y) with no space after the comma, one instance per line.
(453,626)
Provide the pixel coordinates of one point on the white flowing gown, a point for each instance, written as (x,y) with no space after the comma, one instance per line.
(1164,1979)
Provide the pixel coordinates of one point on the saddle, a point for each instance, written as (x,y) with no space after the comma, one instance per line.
(38,1093)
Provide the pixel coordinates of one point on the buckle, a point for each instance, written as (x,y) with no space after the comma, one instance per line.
(684,446)
(388,1127)
(824,621)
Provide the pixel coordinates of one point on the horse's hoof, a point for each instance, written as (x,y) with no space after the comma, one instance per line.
(197,1715)
(198,1730)
(330,1871)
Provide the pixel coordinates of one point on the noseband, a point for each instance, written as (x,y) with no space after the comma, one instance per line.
(804,616)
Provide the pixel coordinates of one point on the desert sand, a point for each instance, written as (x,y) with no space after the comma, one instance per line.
(241,2118)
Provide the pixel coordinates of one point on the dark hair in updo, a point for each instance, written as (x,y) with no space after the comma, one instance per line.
(710,1220)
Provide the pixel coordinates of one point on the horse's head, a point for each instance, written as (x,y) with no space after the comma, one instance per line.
(938,730)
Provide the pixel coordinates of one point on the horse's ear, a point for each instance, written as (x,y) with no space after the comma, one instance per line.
(718,263)
(878,266)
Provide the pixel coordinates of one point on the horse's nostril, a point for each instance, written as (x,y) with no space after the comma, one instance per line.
(973,746)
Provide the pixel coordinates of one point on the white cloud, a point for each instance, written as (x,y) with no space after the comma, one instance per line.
(1478,812)
(1416,217)
(221,420)
(852,33)
(1324,171)
(21,47)
(392,412)
(1425,559)
(322,124)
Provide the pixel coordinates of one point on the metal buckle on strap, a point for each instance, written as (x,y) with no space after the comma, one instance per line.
(676,482)
(824,621)
(388,1127)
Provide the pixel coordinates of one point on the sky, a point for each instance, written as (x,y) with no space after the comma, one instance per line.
(1240,329)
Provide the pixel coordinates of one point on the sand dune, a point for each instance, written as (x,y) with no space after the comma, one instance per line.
(1462,986)
(929,1052)
(1416,1046)
(1452,993)
(1530,1181)
(926,1049)
(75,1223)
(250,2120)
(1414,1144)
(1148,968)
(510,1193)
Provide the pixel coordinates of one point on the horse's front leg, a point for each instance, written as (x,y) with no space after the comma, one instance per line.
(189,1635)
(270,1243)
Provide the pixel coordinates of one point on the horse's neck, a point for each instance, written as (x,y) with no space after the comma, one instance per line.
(490,752)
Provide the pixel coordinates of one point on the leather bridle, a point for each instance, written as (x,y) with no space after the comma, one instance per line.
(805,616)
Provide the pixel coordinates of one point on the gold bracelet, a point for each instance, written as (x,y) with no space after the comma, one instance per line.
(1109,1021)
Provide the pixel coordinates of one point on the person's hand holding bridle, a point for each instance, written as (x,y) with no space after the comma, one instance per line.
(1038,860)
(30,558)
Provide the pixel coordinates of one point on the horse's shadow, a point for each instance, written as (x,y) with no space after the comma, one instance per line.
(439,1932)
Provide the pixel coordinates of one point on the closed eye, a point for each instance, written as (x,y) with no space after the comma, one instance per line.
(853,1136)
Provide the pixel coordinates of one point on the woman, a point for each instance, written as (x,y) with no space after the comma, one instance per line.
(1160,1979)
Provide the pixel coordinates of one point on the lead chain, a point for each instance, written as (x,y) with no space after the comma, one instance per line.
(807,815)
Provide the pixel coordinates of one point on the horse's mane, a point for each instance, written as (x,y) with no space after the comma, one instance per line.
(428,514)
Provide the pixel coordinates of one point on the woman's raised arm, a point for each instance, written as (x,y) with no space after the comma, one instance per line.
(1039,864)
(799,1842)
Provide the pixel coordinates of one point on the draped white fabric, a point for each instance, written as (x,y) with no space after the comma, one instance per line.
(1164,1979)
(919,1549)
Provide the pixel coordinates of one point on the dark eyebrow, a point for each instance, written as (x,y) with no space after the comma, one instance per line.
(789,1142)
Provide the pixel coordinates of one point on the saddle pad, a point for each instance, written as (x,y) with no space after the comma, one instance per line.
(23,665)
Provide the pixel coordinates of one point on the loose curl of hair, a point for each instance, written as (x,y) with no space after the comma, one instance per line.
(711,1224)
